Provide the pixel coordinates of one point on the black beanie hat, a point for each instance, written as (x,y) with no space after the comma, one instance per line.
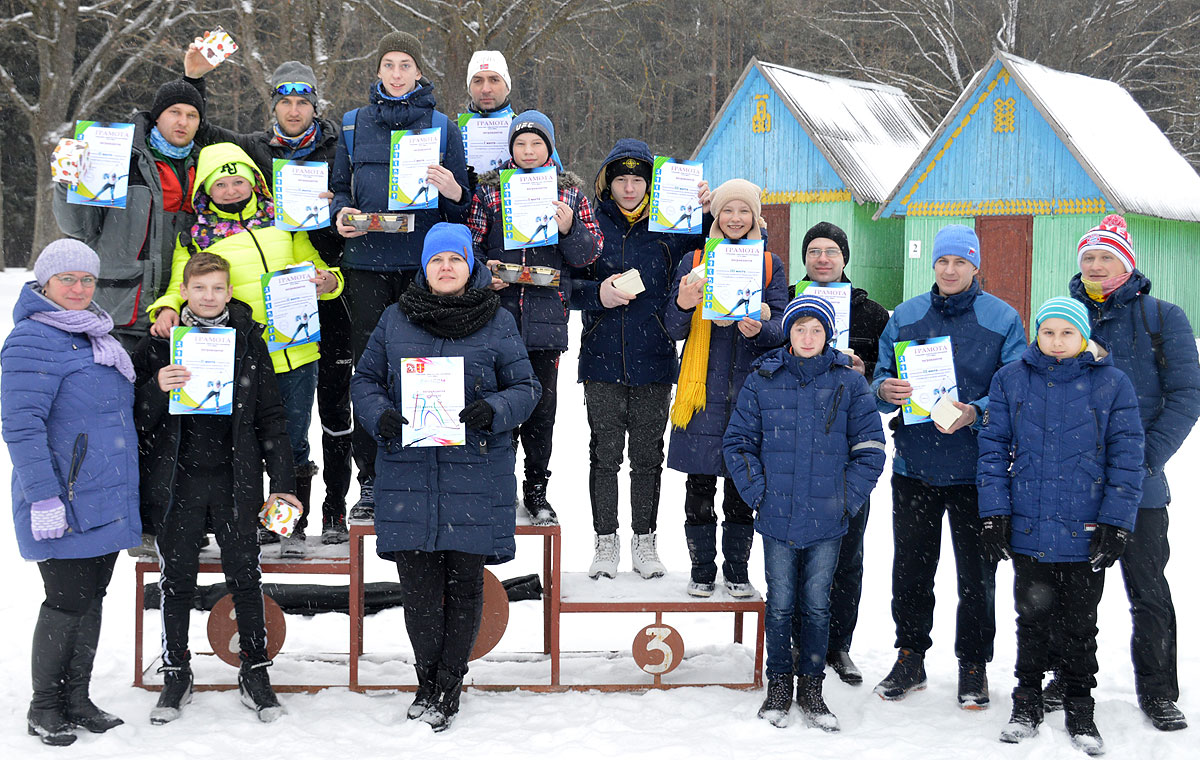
(830,231)
(176,91)
(623,166)
(399,42)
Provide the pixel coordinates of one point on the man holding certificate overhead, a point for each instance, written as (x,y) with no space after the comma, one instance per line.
(716,360)
(278,273)
(387,149)
(937,356)
(445,490)
(533,276)
(860,322)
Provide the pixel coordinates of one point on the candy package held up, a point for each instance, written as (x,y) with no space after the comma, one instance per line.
(217,45)
(69,161)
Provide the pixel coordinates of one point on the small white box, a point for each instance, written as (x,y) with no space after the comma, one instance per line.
(696,274)
(945,413)
(217,45)
(630,283)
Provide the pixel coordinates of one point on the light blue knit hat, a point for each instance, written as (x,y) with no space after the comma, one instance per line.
(1066,308)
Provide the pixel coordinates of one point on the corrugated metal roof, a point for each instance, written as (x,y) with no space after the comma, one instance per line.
(870,133)
(1126,154)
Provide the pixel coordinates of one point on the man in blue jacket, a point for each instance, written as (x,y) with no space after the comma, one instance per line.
(1151,342)
(934,467)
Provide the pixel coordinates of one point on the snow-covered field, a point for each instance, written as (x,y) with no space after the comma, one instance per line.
(709,722)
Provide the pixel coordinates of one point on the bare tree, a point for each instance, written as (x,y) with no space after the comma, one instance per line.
(82,52)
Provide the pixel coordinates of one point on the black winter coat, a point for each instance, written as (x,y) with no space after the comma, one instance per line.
(259,426)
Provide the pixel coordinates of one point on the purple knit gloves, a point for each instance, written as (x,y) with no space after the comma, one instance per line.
(48,519)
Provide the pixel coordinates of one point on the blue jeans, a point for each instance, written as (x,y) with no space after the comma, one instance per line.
(798,580)
(297,391)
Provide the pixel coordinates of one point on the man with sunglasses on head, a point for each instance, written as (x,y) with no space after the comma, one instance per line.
(298,133)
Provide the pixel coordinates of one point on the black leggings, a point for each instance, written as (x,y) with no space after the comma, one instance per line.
(443,603)
(74,585)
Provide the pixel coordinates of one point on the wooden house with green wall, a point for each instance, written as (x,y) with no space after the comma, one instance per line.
(822,149)
(1033,158)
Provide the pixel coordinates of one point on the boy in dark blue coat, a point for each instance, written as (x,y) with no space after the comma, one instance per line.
(805,447)
(1060,480)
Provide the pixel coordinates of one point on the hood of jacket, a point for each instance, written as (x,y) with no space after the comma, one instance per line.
(213,157)
(805,369)
(626,147)
(398,113)
(1137,284)
(1095,355)
(30,301)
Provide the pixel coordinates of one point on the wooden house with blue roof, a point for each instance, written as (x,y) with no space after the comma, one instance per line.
(1032,158)
(822,149)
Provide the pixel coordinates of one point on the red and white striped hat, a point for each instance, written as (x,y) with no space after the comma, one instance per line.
(1111,236)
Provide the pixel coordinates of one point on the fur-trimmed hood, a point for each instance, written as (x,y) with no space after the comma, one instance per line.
(566,180)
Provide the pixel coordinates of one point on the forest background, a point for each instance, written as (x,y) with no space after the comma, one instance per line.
(658,70)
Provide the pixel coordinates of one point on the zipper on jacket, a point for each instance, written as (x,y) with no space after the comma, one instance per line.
(78,452)
(1099,438)
(837,400)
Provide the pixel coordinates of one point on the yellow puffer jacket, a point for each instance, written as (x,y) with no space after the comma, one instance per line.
(250,254)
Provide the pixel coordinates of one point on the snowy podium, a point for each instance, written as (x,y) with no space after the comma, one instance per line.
(657,649)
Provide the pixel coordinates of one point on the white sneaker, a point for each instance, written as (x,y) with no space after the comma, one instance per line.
(740,590)
(644,549)
(701,590)
(608,555)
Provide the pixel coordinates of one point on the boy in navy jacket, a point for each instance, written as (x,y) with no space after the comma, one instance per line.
(805,447)
(1060,480)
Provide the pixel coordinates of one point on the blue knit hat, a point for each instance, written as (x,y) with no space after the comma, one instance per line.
(1068,309)
(443,237)
(810,306)
(532,121)
(957,240)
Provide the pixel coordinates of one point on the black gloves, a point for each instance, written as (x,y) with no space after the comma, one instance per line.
(390,423)
(996,532)
(477,415)
(1108,544)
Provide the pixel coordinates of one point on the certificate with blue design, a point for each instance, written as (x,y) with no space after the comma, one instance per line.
(527,199)
(928,366)
(105,178)
(290,297)
(734,288)
(208,354)
(674,201)
(485,140)
(413,151)
(298,186)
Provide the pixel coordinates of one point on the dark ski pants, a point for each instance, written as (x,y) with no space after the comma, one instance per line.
(442,593)
(368,294)
(614,412)
(917,511)
(1056,598)
(536,434)
(335,367)
(202,503)
(68,626)
(1143,567)
(846,592)
(699,504)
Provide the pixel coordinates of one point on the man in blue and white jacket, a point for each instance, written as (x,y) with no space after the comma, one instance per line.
(934,467)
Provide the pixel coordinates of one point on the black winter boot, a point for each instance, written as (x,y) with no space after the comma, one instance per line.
(908,674)
(441,714)
(79,707)
(1053,694)
(1027,715)
(844,667)
(1081,725)
(294,545)
(363,511)
(426,693)
(811,700)
(539,509)
(255,688)
(702,546)
(1163,713)
(737,542)
(973,686)
(775,707)
(176,692)
(54,638)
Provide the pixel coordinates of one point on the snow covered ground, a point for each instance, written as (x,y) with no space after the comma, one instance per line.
(709,722)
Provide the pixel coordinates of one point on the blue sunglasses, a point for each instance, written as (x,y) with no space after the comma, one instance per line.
(296,88)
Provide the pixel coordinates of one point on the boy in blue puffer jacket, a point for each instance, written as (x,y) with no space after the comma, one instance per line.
(1060,480)
(805,447)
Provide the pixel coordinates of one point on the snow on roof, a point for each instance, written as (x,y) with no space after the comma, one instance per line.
(870,133)
(1125,153)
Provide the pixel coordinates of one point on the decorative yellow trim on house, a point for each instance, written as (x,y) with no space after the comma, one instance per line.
(983,98)
(1005,117)
(806,196)
(1020,207)
(761,121)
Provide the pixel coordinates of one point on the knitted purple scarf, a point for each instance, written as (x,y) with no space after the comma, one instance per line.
(94,323)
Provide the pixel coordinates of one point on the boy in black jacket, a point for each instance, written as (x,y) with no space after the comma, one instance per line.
(204,472)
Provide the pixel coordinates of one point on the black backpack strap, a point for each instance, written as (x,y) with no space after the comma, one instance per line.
(1156,337)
